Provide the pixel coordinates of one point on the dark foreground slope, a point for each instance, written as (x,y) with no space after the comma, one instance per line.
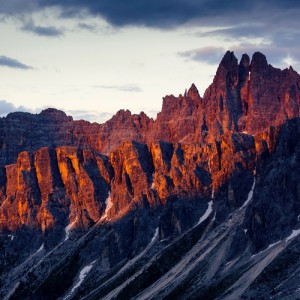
(204,204)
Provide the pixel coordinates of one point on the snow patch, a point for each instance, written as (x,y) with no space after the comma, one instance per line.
(214,218)
(269,247)
(209,169)
(109,204)
(250,195)
(3,202)
(40,249)
(12,238)
(152,185)
(155,236)
(245,230)
(208,163)
(207,213)
(7,297)
(68,228)
(80,279)
(293,234)
(272,245)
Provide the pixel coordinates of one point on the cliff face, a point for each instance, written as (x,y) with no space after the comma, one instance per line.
(209,183)
(53,188)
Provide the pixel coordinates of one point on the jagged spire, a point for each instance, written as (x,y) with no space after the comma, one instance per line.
(193,92)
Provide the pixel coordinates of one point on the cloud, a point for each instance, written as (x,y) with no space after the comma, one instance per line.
(90,115)
(275,22)
(161,14)
(170,13)
(6,107)
(281,57)
(242,30)
(13,63)
(48,31)
(88,27)
(122,88)
(210,55)
(95,28)
(18,7)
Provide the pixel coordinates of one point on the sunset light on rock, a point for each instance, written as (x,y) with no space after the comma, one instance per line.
(149,150)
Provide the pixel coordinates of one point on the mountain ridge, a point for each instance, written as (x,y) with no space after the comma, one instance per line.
(156,209)
(236,101)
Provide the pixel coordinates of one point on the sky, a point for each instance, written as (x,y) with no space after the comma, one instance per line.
(93,58)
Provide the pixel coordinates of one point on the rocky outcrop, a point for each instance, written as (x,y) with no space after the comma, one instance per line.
(181,119)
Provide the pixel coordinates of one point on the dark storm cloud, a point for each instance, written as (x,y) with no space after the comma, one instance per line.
(169,13)
(13,63)
(157,13)
(48,31)
(210,55)
(275,22)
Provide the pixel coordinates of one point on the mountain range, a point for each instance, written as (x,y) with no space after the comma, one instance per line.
(201,203)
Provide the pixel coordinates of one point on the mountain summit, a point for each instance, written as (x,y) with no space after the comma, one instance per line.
(201,203)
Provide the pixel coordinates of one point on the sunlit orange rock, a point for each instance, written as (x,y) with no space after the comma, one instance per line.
(197,147)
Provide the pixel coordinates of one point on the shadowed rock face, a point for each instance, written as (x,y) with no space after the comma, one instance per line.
(276,206)
(137,197)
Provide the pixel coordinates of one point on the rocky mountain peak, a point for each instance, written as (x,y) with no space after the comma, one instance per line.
(53,113)
(258,61)
(244,68)
(229,60)
(193,93)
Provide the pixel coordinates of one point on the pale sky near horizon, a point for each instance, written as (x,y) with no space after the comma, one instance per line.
(92,58)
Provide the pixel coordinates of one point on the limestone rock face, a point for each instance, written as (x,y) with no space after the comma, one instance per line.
(212,181)
(273,95)
(52,174)
(195,148)
(221,100)
(52,188)
(180,119)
